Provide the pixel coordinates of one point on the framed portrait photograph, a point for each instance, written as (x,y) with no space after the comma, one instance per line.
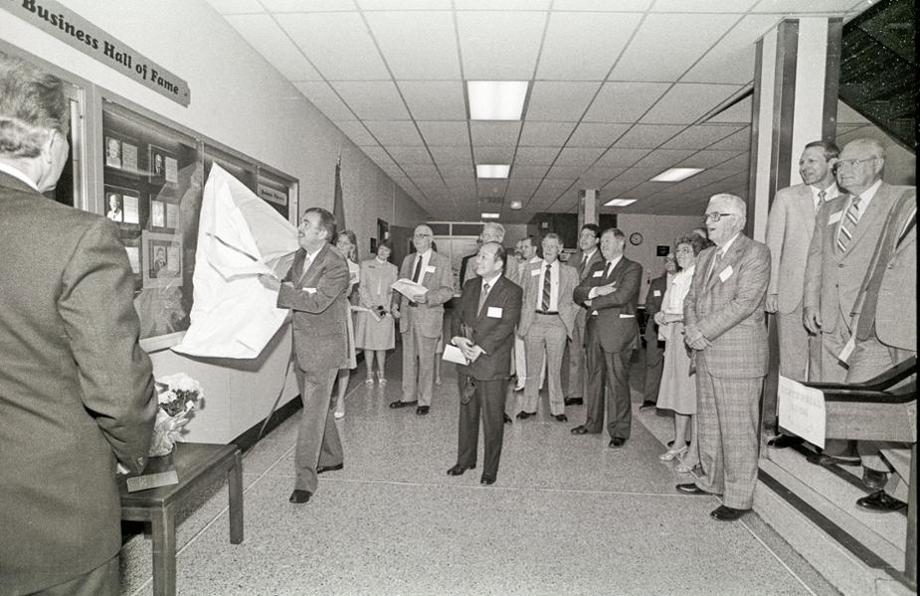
(162,260)
(128,156)
(121,204)
(157,214)
(162,166)
(113,152)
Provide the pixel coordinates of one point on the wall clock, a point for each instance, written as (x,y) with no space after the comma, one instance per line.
(635,238)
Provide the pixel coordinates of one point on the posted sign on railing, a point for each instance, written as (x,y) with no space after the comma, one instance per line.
(802,411)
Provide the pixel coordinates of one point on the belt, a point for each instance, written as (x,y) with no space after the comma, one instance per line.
(547,312)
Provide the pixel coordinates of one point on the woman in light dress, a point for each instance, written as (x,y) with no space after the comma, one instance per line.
(678,385)
(376,334)
(346,243)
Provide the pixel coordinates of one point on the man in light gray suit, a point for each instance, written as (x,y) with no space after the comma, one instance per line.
(725,328)
(421,320)
(314,290)
(789,230)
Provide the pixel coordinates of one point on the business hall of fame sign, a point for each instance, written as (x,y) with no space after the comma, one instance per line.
(80,34)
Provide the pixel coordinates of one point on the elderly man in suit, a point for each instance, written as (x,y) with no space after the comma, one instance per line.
(609,292)
(483,329)
(789,230)
(586,257)
(847,230)
(547,319)
(76,390)
(421,320)
(654,348)
(314,289)
(885,333)
(529,257)
(725,328)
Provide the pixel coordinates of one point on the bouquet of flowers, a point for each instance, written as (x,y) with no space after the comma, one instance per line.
(178,396)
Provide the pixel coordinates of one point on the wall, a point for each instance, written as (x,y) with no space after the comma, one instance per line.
(237,100)
(655,230)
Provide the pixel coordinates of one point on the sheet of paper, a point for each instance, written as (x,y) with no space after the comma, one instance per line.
(409,288)
(802,411)
(453,354)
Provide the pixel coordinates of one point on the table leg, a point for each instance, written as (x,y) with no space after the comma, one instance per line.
(235,483)
(164,551)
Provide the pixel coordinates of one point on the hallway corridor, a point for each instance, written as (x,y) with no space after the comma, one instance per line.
(568,515)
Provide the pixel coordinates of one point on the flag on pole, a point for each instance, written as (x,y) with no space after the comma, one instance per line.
(338,204)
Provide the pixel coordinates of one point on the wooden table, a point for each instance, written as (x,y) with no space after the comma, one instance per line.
(197,465)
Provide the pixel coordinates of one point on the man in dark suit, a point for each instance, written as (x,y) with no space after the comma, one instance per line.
(76,390)
(314,289)
(724,326)
(654,349)
(609,292)
(573,363)
(483,329)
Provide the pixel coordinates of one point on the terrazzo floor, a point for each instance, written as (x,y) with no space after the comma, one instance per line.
(568,515)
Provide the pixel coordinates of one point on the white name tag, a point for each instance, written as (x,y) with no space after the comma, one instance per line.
(309,290)
(656,293)
(535,273)
(494,312)
(726,273)
(598,273)
(430,269)
(627,316)
(835,217)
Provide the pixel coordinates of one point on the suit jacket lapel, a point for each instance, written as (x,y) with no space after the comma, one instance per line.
(314,266)
(490,299)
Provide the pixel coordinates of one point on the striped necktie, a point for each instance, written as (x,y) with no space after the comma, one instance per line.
(821,196)
(483,295)
(547,289)
(848,225)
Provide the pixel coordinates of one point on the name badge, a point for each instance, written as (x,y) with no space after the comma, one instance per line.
(430,269)
(835,217)
(726,273)
(535,273)
(627,316)
(599,273)
(310,291)
(494,312)
(656,293)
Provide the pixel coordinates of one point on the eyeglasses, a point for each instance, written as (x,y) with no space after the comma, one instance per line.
(852,163)
(684,250)
(714,217)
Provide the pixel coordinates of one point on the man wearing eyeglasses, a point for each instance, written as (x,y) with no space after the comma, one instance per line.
(724,328)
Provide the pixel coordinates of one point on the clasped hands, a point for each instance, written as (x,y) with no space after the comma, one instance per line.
(470,350)
(269,282)
(694,338)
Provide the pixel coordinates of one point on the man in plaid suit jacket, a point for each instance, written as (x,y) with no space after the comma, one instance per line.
(724,317)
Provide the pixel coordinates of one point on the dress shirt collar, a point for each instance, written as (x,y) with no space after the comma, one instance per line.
(866,196)
(724,249)
(19,175)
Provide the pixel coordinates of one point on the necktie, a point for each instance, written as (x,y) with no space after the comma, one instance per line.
(848,225)
(547,289)
(715,265)
(822,194)
(417,275)
(482,297)
(609,270)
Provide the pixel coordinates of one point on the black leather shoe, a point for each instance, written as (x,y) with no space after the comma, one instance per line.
(647,404)
(723,513)
(616,442)
(784,441)
(874,480)
(671,443)
(573,401)
(579,430)
(458,470)
(561,417)
(300,496)
(822,459)
(507,418)
(402,404)
(323,469)
(525,415)
(422,410)
(487,480)
(690,488)
(881,502)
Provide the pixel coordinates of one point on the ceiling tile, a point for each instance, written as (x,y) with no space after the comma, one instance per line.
(409,154)
(597,134)
(648,136)
(578,156)
(505,4)
(663,158)
(324,98)
(847,115)
(624,102)
(452,155)
(355,131)
(621,158)
(551,100)
(597,176)
(602,5)
(535,155)
(419,170)
(444,133)
(226,7)
(740,140)
(403,37)
(487,155)
(434,100)
(513,36)
(569,55)
(368,5)
(394,132)
(739,163)
(449,171)
(732,59)
(308,5)
(372,100)
(337,43)
(529,171)
(697,137)
(812,6)
(740,112)
(263,34)
(379,156)
(523,186)
(617,187)
(559,172)
(707,159)
(495,133)
(686,102)
(492,188)
(545,134)
(638,175)
(676,42)
(723,6)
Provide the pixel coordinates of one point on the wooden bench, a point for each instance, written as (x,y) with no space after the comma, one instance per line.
(197,465)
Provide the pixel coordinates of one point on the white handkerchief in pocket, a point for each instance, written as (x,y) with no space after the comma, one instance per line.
(310,291)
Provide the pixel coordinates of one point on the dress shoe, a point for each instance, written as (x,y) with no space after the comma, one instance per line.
(671,444)
(402,404)
(573,401)
(518,388)
(683,468)
(522,415)
(561,417)
(323,469)
(689,488)
(507,418)
(874,480)
(458,470)
(300,496)
(881,502)
(647,404)
(822,459)
(723,513)
(616,442)
(487,480)
(422,410)
(783,441)
(672,453)
(579,430)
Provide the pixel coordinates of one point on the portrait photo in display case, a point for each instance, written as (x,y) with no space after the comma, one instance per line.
(163,166)
(162,259)
(122,204)
(112,152)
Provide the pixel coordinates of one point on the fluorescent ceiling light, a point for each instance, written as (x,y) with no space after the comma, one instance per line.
(492,171)
(496,100)
(676,174)
(619,202)
(490,216)
(516,204)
